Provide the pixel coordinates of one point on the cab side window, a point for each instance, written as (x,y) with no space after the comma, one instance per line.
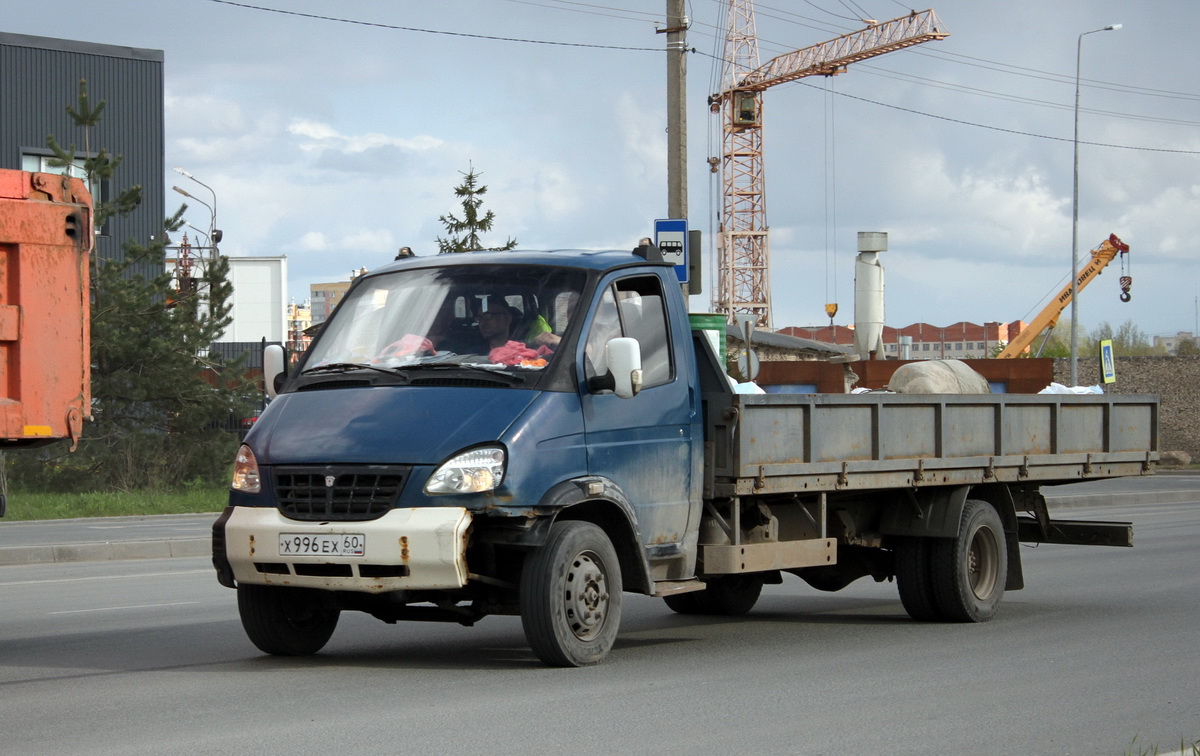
(632,307)
(606,325)
(643,317)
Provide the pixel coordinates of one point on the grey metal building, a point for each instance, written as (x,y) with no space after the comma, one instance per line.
(39,80)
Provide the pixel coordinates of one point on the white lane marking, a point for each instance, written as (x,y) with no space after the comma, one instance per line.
(104,577)
(183,526)
(120,608)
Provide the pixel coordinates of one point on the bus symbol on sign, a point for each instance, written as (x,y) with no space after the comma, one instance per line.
(672,252)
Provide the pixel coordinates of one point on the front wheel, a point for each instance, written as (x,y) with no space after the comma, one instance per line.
(287,621)
(571,596)
(969,572)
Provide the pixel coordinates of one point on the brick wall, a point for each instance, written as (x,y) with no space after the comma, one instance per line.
(1176,380)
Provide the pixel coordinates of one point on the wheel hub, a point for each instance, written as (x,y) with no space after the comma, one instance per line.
(586,596)
(982,559)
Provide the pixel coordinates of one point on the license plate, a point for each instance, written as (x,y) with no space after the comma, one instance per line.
(322,544)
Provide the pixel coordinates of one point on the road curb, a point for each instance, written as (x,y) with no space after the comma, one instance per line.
(109,551)
(106,552)
(1079,501)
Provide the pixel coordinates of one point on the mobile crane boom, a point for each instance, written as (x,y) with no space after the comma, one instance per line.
(1109,249)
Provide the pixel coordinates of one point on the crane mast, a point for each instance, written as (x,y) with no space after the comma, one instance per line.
(743,254)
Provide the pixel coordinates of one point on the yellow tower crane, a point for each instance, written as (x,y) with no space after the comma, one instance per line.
(743,261)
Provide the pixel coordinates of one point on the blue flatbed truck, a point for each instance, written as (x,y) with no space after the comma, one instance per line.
(414,466)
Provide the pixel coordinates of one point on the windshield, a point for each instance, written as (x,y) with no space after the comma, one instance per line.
(509,317)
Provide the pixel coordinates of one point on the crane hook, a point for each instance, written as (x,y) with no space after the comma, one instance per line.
(1126,284)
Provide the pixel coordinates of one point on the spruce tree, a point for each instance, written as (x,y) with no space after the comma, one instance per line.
(160,401)
(464,233)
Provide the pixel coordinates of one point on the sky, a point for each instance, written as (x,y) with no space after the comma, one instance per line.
(336,140)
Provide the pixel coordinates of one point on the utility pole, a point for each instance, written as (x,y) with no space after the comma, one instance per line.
(676,31)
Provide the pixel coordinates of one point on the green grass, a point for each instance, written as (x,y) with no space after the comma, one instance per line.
(56,506)
(1185,748)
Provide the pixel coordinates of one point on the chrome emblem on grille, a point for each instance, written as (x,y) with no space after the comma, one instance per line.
(329,480)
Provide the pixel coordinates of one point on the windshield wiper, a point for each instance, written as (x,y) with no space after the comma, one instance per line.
(453,366)
(343,367)
(396,370)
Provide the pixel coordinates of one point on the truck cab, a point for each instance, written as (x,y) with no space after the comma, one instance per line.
(415,460)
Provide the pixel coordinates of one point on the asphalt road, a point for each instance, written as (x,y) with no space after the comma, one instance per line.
(99,538)
(148,656)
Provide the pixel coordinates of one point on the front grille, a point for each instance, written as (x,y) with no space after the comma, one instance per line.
(338,384)
(458,382)
(363,492)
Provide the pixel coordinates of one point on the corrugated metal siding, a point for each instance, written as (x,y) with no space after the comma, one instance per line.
(39,80)
(228,351)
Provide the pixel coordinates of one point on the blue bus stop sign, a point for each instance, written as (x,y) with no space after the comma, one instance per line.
(671,238)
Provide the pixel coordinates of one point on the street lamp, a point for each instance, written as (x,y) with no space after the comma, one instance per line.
(214,232)
(212,214)
(1075,216)
(199,231)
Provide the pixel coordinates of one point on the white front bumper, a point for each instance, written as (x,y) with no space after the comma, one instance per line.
(412,549)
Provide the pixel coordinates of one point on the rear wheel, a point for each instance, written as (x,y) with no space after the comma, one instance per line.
(287,621)
(969,571)
(684,603)
(914,578)
(729,596)
(571,596)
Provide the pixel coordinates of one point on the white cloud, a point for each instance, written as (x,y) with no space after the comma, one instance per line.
(643,138)
(335,159)
(1013,206)
(374,240)
(1168,223)
(318,136)
(314,241)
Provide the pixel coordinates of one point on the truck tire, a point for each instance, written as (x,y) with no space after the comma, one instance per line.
(571,596)
(684,603)
(970,570)
(914,579)
(726,596)
(287,621)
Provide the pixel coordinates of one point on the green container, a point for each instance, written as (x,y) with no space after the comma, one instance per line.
(713,326)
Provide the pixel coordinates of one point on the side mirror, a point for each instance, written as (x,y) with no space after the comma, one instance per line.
(274,369)
(625,365)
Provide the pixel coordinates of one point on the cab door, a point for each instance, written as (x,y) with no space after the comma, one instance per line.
(650,445)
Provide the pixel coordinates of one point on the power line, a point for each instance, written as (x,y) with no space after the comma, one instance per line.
(1034,73)
(1002,129)
(835,15)
(918,80)
(898,76)
(1004,68)
(862,14)
(992,65)
(582,8)
(432,31)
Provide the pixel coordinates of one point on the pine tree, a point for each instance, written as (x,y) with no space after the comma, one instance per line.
(464,233)
(160,401)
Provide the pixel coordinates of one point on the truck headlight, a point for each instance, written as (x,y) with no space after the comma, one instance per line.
(245,472)
(472,471)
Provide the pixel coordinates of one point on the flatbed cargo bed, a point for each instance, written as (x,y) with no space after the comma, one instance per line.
(762,444)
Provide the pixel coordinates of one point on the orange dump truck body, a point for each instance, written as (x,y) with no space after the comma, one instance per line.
(45,338)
